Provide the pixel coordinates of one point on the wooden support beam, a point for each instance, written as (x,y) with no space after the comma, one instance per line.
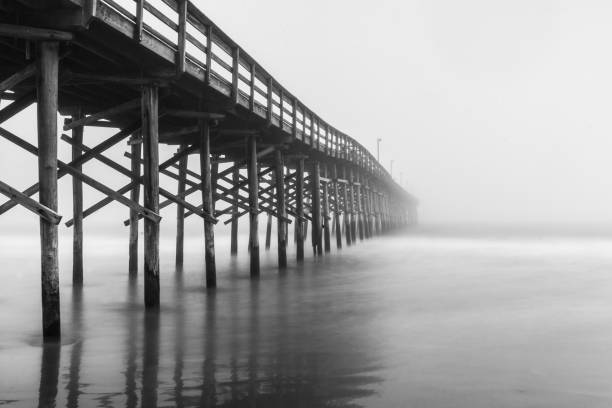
(9,83)
(77,209)
(105,201)
(234,228)
(134,216)
(182,36)
(359,209)
(194,114)
(30,191)
(208,204)
(326,234)
(124,107)
(180,210)
(279,169)
(17,106)
(268,231)
(83,78)
(34,33)
(150,128)
(138,32)
(299,225)
(254,204)
(352,207)
(316,209)
(347,216)
(44,212)
(47,91)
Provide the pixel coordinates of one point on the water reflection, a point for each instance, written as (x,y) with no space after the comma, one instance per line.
(73,385)
(49,374)
(251,343)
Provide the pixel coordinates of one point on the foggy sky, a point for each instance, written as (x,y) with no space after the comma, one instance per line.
(492,110)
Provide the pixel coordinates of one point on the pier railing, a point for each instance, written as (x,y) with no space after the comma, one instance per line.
(182,34)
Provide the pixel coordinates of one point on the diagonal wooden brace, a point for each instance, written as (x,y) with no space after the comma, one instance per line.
(104,202)
(105,145)
(32,205)
(66,168)
(127,172)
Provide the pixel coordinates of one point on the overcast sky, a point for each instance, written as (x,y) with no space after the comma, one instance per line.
(492,110)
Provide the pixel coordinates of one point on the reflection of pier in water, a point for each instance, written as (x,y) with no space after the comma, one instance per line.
(231,350)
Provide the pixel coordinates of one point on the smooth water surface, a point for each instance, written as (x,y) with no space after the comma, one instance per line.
(429,318)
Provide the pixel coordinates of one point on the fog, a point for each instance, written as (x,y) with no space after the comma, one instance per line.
(491,111)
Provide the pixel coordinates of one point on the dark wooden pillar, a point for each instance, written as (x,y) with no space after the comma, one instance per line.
(208,205)
(359,208)
(366,209)
(281,207)
(234,230)
(134,219)
(299,204)
(326,234)
(337,227)
(315,183)
(352,206)
(150,137)
(47,90)
(253,205)
(268,232)
(347,215)
(77,208)
(180,211)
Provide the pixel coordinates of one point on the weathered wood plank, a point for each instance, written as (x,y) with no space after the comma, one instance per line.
(254,204)
(150,129)
(77,209)
(47,90)
(34,33)
(32,205)
(207,203)
(281,232)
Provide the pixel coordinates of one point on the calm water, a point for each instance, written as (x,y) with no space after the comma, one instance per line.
(432,318)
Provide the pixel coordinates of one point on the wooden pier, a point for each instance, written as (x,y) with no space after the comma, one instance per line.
(161,72)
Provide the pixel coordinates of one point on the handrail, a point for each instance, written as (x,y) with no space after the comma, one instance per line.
(234,70)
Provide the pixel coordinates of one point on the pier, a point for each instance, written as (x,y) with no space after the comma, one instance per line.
(163,73)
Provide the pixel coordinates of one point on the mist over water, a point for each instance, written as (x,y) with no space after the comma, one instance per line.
(437,316)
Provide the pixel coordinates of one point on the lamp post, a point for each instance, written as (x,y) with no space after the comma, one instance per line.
(378,149)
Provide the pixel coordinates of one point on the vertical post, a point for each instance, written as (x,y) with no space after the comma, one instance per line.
(268,232)
(139,19)
(47,89)
(77,208)
(180,211)
(326,236)
(359,208)
(347,216)
(299,203)
(337,227)
(366,209)
(208,205)
(150,136)
(352,205)
(234,231)
(281,209)
(254,205)
(315,181)
(134,196)
(182,34)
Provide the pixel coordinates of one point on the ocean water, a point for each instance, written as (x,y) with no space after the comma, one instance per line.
(430,317)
